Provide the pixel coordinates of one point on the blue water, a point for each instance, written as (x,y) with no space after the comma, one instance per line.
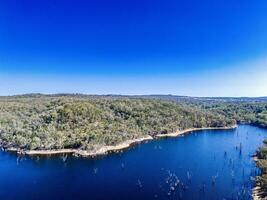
(202,165)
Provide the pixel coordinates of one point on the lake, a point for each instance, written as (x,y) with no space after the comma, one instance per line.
(212,164)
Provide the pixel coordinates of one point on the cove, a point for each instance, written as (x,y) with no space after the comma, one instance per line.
(210,164)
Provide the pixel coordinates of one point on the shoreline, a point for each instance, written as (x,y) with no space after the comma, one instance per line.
(186,131)
(256,190)
(115,148)
(127,144)
(256,193)
(85,153)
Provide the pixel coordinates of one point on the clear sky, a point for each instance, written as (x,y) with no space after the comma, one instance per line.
(183,47)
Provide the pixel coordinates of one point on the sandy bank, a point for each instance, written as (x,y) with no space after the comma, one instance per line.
(182,132)
(107,149)
(256,194)
(101,151)
(49,152)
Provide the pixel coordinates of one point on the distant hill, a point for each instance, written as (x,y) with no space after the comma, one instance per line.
(152,96)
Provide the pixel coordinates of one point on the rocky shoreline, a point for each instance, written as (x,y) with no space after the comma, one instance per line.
(256,193)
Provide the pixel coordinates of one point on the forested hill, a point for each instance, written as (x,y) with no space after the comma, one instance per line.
(243,109)
(37,121)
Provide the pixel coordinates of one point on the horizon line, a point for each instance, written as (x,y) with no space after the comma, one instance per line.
(126,95)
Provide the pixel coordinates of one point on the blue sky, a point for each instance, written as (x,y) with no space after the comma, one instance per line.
(192,47)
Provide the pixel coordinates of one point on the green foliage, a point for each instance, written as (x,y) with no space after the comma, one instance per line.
(86,122)
(58,122)
(262,163)
(252,112)
(45,122)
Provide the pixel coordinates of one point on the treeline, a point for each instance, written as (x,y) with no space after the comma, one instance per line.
(262,164)
(243,112)
(88,122)
(243,109)
(58,122)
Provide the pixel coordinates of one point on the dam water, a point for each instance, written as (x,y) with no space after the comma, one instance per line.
(212,164)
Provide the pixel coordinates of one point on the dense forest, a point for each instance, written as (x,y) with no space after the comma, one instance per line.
(243,110)
(87,123)
(43,122)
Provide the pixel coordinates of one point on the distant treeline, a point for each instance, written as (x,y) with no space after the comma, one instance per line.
(88,122)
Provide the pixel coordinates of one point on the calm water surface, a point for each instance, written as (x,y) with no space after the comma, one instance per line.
(203,165)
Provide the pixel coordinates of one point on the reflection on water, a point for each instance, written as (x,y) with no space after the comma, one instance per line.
(202,165)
